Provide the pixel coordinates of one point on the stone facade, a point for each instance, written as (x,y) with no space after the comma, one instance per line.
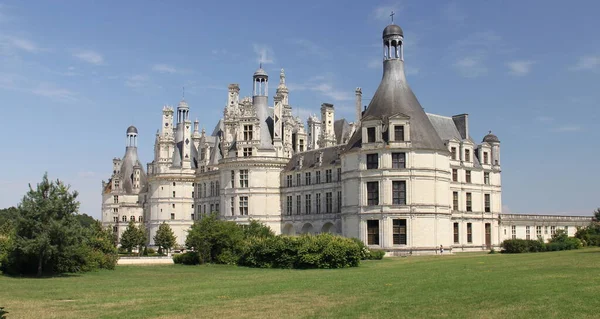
(397,178)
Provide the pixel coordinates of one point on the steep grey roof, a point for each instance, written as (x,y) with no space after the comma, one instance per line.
(260,72)
(310,158)
(392,29)
(218,128)
(341,128)
(491,138)
(131,160)
(394,96)
(132,129)
(444,126)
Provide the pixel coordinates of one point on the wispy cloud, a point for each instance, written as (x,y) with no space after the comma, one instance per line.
(54,92)
(471,67)
(264,53)
(454,13)
(589,62)
(568,128)
(136,81)
(89,56)
(383,12)
(471,53)
(311,48)
(12,45)
(324,85)
(166,68)
(520,68)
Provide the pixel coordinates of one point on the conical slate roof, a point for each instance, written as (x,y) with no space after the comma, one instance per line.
(131,160)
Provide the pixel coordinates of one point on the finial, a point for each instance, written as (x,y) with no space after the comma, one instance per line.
(260,65)
(392,15)
(490,132)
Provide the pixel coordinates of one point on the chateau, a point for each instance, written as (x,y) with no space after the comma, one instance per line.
(396,177)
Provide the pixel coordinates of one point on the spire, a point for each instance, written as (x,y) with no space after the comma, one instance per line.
(282,78)
(392,15)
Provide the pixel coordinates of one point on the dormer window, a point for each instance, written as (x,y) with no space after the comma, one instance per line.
(467,155)
(398,133)
(453,152)
(247,151)
(247,132)
(301,145)
(371,135)
(485,158)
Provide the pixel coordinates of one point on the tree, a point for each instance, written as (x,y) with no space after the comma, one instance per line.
(133,237)
(257,229)
(165,238)
(8,215)
(216,241)
(85,220)
(597,214)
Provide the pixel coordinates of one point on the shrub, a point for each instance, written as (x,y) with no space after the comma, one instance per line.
(376,254)
(364,250)
(3,313)
(150,251)
(515,246)
(188,258)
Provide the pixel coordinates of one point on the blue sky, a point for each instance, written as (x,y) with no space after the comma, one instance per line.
(75,74)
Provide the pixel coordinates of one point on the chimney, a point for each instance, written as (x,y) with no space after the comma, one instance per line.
(462,124)
(358,93)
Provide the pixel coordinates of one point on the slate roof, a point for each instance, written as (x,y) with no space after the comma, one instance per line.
(310,158)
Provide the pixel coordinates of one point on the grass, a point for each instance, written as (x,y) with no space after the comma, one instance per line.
(542,285)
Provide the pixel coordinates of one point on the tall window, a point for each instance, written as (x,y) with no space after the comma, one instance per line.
(486,178)
(307,178)
(232,179)
(469,201)
(172,215)
(513,230)
(301,146)
(217,188)
(173,193)
(455,175)
(247,132)
(232,206)
(485,158)
(567,230)
(116,219)
(244,205)
(204,189)
(217,207)
(398,160)
(552,230)
(453,152)
(538,231)
(212,208)
(372,232)
(399,132)
(289,205)
(247,151)
(328,202)
(318,203)
(243,178)
(399,192)
(456,234)
(116,199)
(372,161)
(468,176)
(339,202)
(298,179)
(212,189)
(339,174)
(527,233)
(328,178)
(487,202)
(467,155)
(469,233)
(318,177)
(399,231)
(307,204)
(132,218)
(298,204)
(370,135)
(455,201)
(372,193)
(288,180)
(124,218)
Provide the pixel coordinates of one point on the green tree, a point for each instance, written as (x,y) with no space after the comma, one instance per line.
(257,229)
(85,220)
(8,215)
(133,237)
(216,241)
(103,252)
(165,238)
(597,214)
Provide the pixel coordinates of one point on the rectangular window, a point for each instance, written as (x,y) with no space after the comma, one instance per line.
(116,219)
(469,201)
(212,189)
(301,146)
(212,208)
(244,205)
(318,203)
(467,155)
(328,178)
(298,179)
(339,174)
(469,233)
(567,230)
(116,199)
(485,158)
(247,151)
(372,193)
(399,231)
(467,176)
(339,202)
(487,203)
(546,230)
(455,201)
(399,133)
(289,205)
(115,210)
(328,202)
(172,215)
(204,189)
(538,231)
(372,161)
(115,229)
(173,193)
(247,132)
(217,208)
(372,232)
(527,233)
(486,178)
(289,180)
(243,178)
(232,179)
(318,177)
(298,204)
(232,204)
(132,218)
(399,192)
(456,234)
(398,160)
(371,135)
(192,216)
(124,218)
(453,152)
(552,230)
(307,178)
(513,231)
(307,204)
(455,175)
(140,219)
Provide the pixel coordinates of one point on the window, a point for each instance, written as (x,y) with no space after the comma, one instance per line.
(398,132)
(204,189)
(399,192)
(513,231)
(456,234)
(567,230)
(546,230)
(372,193)
(243,178)
(318,177)
(289,205)
(116,199)
(115,219)
(173,205)
(204,209)
(132,218)
(487,202)
(247,151)
(486,178)
(217,188)
(115,210)
(467,155)
(453,152)
(538,231)
(307,204)
(115,229)
(193,194)
(455,175)
(307,178)
(232,205)
(247,132)
(244,205)
(212,189)
(301,146)
(469,233)
(298,204)
(372,161)
(116,184)
(469,207)
(552,230)
(527,233)
(467,176)
(232,179)
(328,202)
(328,176)
(192,217)
(455,201)
(172,215)
(370,135)
(318,203)
(339,202)
(399,231)
(212,208)
(217,207)
(339,174)
(298,180)
(398,160)
(124,218)
(372,232)
(288,180)
(173,193)
(485,157)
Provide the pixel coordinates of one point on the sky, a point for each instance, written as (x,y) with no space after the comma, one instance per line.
(75,74)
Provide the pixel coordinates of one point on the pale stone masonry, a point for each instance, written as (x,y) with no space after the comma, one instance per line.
(396,178)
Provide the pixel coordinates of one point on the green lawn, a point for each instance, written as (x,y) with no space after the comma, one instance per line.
(541,285)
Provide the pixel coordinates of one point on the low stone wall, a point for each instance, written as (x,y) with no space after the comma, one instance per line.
(145,261)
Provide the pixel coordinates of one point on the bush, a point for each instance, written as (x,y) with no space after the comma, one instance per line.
(559,241)
(189,258)
(364,250)
(3,313)
(376,254)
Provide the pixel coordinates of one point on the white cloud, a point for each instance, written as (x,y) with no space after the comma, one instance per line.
(587,63)
(11,45)
(383,12)
(471,67)
(51,91)
(568,128)
(264,54)
(471,53)
(166,68)
(136,81)
(89,57)
(324,85)
(520,68)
